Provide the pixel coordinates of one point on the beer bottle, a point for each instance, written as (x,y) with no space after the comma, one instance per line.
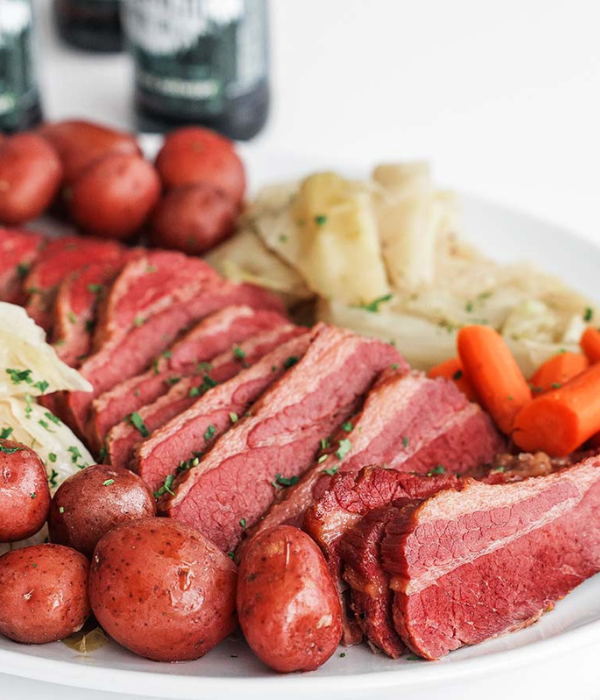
(91,25)
(19,94)
(200,62)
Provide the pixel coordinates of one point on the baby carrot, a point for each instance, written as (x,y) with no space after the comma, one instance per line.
(494,374)
(452,370)
(590,344)
(561,420)
(557,371)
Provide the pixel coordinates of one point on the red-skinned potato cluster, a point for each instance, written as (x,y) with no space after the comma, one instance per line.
(97,177)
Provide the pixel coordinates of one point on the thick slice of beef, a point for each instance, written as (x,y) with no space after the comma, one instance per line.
(61,257)
(192,432)
(470,565)
(143,315)
(408,423)
(18,251)
(233,485)
(76,305)
(123,437)
(212,336)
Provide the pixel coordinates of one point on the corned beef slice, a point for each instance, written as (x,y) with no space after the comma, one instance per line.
(18,250)
(215,334)
(470,565)
(232,487)
(61,257)
(123,437)
(408,423)
(150,303)
(194,430)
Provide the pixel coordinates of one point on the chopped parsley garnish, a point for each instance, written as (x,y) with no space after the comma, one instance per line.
(53,477)
(412,657)
(322,458)
(52,418)
(324,443)
(243,523)
(347,427)
(238,353)
(405,441)
(556,385)
(33,494)
(167,354)
(588,314)
(281,481)
(89,325)
(332,471)
(342,655)
(45,425)
(395,366)
(171,381)
(9,450)
(210,433)
(290,361)
(139,321)
(194,391)
(108,482)
(320,219)
(484,295)
(22,270)
(28,405)
(95,288)
(283,238)
(469,307)
(52,457)
(42,386)
(103,452)
(440,469)
(231,555)
(75,453)
(5,433)
(233,417)
(166,487)
(72,318)
(61,509)
(137,421)
(373,306)
(343,448)
(19,375)
(457,375)
(204,367)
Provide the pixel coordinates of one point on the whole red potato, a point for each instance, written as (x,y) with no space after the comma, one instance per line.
(288,605)
(114,196)
(30,175)
(193,219)
(94,500)
(163,590)
(80,143)
(193,155)
(43,593)
(24,492)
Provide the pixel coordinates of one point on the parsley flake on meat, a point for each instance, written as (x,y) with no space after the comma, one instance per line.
(137,421)
(210,433)
(440,469)
(332,471)
(343,448)
(166,487)
(284,481)
(290,362)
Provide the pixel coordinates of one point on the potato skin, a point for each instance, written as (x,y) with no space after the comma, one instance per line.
(162,590)
(193,219)
(287,603)
(24,492)
(87,505)
(80,143)
(30,175)
(114,196)
(193,154)
(43,593)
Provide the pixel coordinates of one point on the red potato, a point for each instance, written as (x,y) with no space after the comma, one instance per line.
(163,590)
(30,175)
(287,603)
(94,501)
(43,593)
(193,155)
(114,196)
(24,493)
(193,219)
(81,143)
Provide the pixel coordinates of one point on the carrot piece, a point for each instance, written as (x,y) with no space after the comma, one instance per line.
(557,371)
(494,374)
(452,370)
(561,420)
(590,344)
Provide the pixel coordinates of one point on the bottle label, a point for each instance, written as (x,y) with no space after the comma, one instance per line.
(18,85)
(194,55)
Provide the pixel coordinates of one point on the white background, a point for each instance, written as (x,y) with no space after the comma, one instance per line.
(503,97)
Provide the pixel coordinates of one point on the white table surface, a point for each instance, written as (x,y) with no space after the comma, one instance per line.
(502,97)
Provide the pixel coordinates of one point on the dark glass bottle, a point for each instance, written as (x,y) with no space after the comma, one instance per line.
(200,62)
(90,25)
(19,94)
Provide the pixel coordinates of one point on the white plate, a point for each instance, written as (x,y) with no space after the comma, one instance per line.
(230,671)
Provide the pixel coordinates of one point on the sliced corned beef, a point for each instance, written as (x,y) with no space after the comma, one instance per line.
(470,565)
(233,485)
(123,437)
(18,250)
(212,336)
(408,423)
(192,432)
(61,257)
(76,305)
(150,303)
